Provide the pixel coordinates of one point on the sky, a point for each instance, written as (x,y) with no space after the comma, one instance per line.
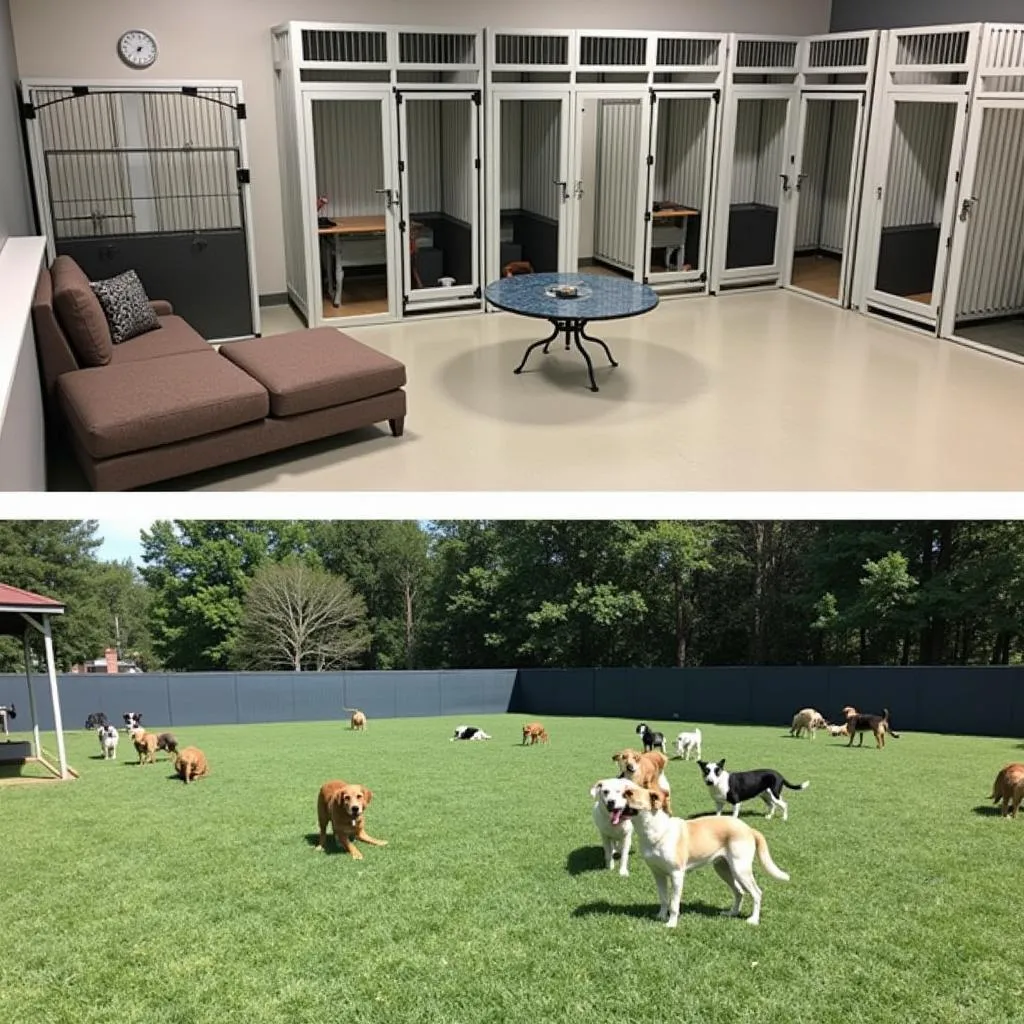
(121,539)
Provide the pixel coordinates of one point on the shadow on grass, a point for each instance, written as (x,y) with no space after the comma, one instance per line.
(643,910)
(585,858)
(987,810)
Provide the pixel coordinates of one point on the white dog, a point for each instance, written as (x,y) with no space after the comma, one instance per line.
(469,732)
(688,743)
(614,826)
(108,741)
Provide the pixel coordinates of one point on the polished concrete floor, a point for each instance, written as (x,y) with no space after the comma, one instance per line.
(761,391)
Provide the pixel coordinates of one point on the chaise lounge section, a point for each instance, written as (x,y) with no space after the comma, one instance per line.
(166,403)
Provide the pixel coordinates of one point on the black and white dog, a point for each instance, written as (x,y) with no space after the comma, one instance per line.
(651,740)
(735,787)
(108,741)
(132,720)
(468,732)
(7,711)
(96,720)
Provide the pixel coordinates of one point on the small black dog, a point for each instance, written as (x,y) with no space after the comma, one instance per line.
(166,741)
(96,720)
(651,740)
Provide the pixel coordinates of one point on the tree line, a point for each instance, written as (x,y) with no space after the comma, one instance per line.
(315,595)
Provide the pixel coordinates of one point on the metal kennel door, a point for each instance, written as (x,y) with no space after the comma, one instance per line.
(152,179)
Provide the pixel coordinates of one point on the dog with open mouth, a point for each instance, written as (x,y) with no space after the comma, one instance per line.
(614,825)
(736,787)
(343,805)
(672,846)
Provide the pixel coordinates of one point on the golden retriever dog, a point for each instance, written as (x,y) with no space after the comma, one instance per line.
(647,770)
(191,764)
(358,719)
(534,732)
(146,745)
(344,804)
(807,720)
(672,846)
(1009,788)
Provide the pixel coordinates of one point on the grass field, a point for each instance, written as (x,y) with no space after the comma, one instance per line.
(129,897)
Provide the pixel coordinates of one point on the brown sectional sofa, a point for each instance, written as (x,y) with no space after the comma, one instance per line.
(166,403)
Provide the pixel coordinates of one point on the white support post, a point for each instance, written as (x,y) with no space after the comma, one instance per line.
(58,722)
(36,746)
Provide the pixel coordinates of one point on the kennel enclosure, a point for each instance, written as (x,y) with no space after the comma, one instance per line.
(153,178)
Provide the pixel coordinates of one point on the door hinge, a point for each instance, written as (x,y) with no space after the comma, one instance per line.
(646,279)
(650,159)
(703,277)
(189,90)
(476,163)
(949,241)
(240,111)
(654,97)
(79,90)
(477,98)
(28,112)
(401,166)
(398,96)
(401,226)
(647,216)
(477,293)
(243,175)
(717,95)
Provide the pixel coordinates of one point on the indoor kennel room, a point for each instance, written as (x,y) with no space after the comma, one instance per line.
(335,245)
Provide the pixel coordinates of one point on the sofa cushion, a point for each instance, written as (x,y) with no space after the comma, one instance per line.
(80,313)
(307,370)
(173,337)
(135,406)
(126,306)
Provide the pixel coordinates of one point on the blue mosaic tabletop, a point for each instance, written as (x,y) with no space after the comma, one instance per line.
(600,298)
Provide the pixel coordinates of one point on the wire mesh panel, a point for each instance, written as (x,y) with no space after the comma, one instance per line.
(151,180)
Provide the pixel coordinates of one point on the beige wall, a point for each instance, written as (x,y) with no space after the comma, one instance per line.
(231,39)
(15,206)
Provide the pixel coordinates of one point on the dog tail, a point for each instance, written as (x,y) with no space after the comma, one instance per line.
(766,858)
(789,785)
(888,724)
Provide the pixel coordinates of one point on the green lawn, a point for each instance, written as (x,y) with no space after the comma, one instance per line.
(129,897)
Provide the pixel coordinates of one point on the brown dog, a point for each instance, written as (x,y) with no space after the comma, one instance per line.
(145,743)
(646,770)
(535,733)
(344,804)
(358,719)
(167,741)
(1009,788)
(191,764)
(862,723)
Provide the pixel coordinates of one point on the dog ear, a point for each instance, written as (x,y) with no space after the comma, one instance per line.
(657,799)
(367,796)
(595,789)
(721,764)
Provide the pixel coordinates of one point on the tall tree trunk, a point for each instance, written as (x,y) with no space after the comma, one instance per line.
(925,655)
(863,644)
(677,593)
(408,625)
(762,532)
(907,641)
(940,624)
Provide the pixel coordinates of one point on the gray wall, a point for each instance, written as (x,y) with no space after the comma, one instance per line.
(228,698)
(15,208)
(848,15)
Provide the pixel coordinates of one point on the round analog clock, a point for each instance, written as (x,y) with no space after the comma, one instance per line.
(137,48)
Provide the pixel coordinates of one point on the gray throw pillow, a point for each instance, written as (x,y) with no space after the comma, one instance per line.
(126,306)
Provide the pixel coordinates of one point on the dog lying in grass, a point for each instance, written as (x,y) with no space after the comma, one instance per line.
(672,846)
(145,743)
(613,823)
(647,770)
(534,732)
(191,764)
(807,720)
(344,804)
(1009,789)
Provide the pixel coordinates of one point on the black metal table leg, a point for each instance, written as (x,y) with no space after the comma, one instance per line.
(577,330)
(598,341)
(544,341)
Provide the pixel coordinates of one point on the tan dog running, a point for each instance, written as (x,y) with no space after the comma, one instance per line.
(344,804)
(807,720)
(672,846)
(535,733)
(647,770)
(1009,788)
(358,719)
(145,743)
(191,764)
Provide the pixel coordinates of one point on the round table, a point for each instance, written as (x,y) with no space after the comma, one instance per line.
(600,298)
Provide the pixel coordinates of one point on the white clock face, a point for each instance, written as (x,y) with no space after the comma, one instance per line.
(137,48)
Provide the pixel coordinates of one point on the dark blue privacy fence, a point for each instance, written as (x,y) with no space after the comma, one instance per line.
(980,701)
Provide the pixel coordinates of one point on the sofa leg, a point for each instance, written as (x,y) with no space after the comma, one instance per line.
(397,426)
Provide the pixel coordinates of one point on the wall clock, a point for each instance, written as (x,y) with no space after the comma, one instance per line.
(137,48)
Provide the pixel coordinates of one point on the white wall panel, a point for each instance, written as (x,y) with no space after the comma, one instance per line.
(511,157)
(993,279)
(348,147)
(423,160)
(827,160)
(759,151)
(681,158)
(618,155)
(918,163)
(457,156)
(290,150)
(540,155)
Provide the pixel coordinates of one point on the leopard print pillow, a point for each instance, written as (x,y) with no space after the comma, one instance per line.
(126,306)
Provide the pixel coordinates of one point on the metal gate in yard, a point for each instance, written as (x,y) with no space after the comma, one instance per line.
(152,178)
